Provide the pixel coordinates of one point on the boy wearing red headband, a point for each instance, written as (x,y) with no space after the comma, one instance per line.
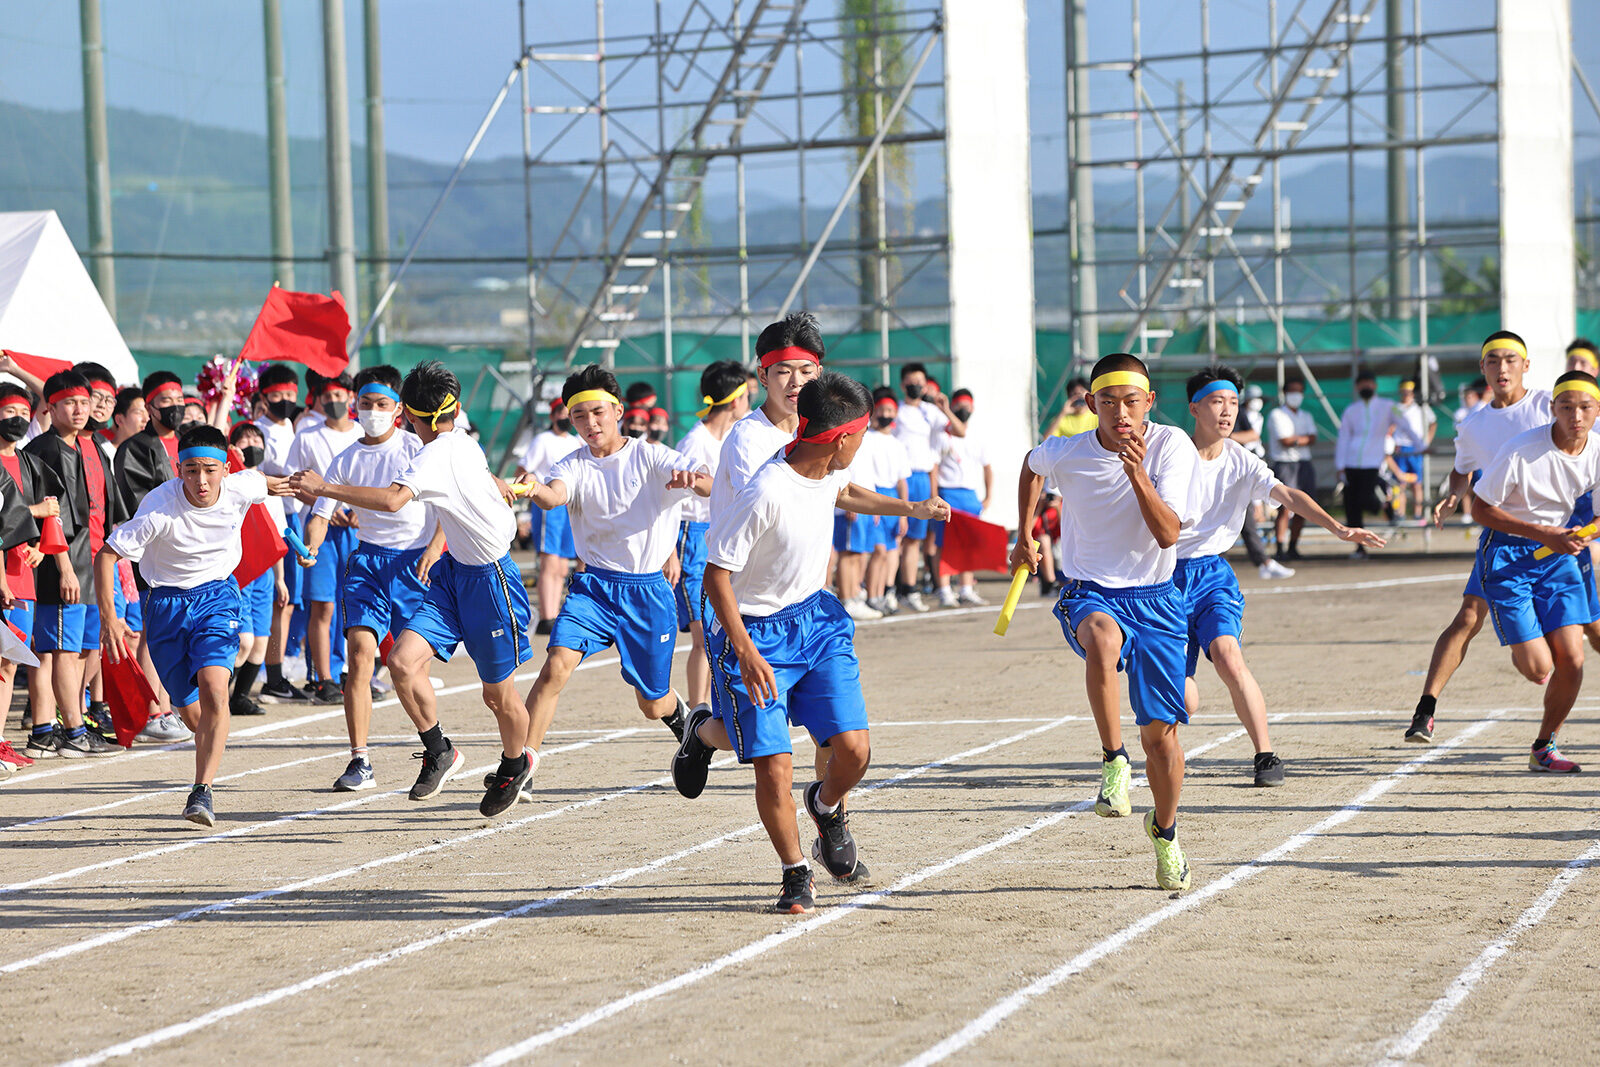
(1132,487)
(16,412)
(551,531)
(185,537)
(659,426)
(782,648)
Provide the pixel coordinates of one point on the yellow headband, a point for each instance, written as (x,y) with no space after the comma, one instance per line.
(1504,342)
(1120,377)
(1594,357)
(730,398)
(433,417)
(1579,385)
(592,394)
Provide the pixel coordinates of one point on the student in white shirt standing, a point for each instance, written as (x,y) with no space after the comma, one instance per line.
(1228,478)
(1359,452)
(921,424)
(965,481)
(1413,437)
(261,597)
(882,458)
(185,538)
(724,390)
(551,531)
(1291,431)
(782,646)
(277,404)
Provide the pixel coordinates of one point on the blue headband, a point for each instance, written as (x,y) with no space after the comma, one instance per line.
(1214,387)
(202,452)
(381,390)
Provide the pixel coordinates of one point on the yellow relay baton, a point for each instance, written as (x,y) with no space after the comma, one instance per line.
(1019,581)
(1587,531)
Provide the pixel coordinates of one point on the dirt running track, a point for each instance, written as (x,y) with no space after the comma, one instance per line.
(1392,901)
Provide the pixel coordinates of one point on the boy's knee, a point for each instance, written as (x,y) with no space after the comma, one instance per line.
(854,746)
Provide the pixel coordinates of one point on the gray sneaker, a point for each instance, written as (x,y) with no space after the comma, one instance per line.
(165,729)
(90,744)
(199,810)
(356,777)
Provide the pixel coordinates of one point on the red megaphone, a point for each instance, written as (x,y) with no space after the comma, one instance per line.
(52,538)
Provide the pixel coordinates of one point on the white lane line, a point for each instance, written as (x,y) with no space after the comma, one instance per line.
(266,824)
(790,933)
(1333,587)
(1411,1042)
(1003,1009)
(262,1000)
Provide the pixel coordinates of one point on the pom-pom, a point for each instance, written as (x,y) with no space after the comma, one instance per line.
(213,374)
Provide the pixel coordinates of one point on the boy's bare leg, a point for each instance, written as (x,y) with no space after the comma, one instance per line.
(1566,649)
(851,753)
(509,714)
(361,653)
(408,668)
(1101,638)
(319,646)
(559,663)
(211,717)
(698,669)
(775,802)
(552,576)
(66,680)
(1163,766)
(1451,647)
(1248,703)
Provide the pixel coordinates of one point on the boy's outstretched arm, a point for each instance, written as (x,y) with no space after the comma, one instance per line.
(1306,508)
(545,496)
(374,498)
(1024,554)
(864,501)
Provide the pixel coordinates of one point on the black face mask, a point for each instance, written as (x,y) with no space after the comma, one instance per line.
(185,427)
(914,392)
(13,428)
(563,425)
(282,409)
(884,421)
(1365,392)
(962,413)
(93,423)
(253,455)
(335,409)
(634,433)
(658,435)
(170,417)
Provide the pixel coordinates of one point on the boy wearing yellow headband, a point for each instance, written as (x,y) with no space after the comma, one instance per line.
(1128,490)
(1540,606)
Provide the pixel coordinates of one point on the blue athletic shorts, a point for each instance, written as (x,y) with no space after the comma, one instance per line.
(1213,603)
(810,647)
(918,487)
(381,589)
(635,612)
(1409,462)
(260,596)
(888,525)
(20,614)
(552,532)
(294,575)
(120,601)
(91,628)
(191,629)
(59,628)
(135,613)
(963,500)
(1582,511)
(323,576)
(1529,597)
(692,556)
(483,607)
(1155,634)
(855,534)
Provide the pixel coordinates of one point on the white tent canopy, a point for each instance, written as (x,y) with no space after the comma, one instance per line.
(48,305)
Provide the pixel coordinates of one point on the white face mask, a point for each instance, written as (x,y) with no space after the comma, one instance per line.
(376,423)
(1293,399)
(1254,405)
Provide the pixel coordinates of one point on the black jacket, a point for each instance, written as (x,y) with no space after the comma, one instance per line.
(60,474)
(142,463)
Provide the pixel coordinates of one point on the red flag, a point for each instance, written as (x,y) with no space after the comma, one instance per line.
(970,544)
(129,693)
(260,537)
(38,366)
(304,328)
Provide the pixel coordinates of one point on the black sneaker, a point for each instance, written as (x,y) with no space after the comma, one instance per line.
(281,692)
(504,789)
(524,794)
(692,762)
(48,746)
(436,770)
(97,717)
(240,704)
(90,744)
(1269,769)
(799,893)
(674,722)
(198,809)
(859,876)
(1421,732)
(838,847)
(325,691)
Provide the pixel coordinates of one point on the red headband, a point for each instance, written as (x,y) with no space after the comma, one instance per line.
(659,411)
(823,437)
(891,401)
(557,404)
(162,390)
(779,355)
(63,394)
(283,387)
(631,412)
(102,385)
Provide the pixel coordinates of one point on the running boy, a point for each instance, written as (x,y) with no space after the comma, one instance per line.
(550,531)
(185,536)
(782,648)
(1229,478)
(1131,482)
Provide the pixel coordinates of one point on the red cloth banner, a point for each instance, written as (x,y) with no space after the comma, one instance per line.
(970,544)
(306,328)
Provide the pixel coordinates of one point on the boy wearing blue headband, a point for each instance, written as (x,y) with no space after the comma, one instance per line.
(1228,479)
(386,576)
(185,538)
(1131,488)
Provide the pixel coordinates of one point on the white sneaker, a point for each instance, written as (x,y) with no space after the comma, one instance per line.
(1273,569)
(969,595)
(947,597)
(891,605)
(914,602)
(857,608)
(165,729)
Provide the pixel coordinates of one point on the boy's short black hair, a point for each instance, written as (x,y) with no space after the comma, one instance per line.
(427,386)
(339,381)
(276,376)
(125,399)
(1077,383)
(637,392)
(1577,376)
(383,374)
(1217,372)
(594,376)
(156,379)
(1503,335)
(314,382)
(912,368)
(242,428)
(882,393)
(721,378)
(1119,361)
(832,399)
(94,372)
(798,329)
(1480,384)
(63,379)
(9,390)
(1294,381)
(202,436)
(959,393)
(1364,374)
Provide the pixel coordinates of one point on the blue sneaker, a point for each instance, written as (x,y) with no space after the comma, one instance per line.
(198,810)
(356,777)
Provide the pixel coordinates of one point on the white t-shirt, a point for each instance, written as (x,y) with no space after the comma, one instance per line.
(547,448)
(624,518)
(1286,422)
(181,546)
(704,449)
(776,536)
(451,474)
(880,463)
(1363,431)
(277,438)
(1484,432)
(314,447)
(1412,433)
(1224,489)
(961,462)
(1533,480)
(920,427)
(1103,534)
(380,465)
(752,441)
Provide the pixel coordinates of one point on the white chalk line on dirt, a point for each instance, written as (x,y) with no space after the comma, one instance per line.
(261,1000)
(1428,1023)
(981,1026)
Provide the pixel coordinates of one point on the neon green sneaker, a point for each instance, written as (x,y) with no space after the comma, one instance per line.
(1172,869)
(1113,800)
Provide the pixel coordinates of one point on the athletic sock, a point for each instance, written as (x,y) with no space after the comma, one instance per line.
(825,809)
(511,767)
(358,752)
(1426,704)
(1170,833)
(1543,742)
(244,677)
(77,733)
(674,721)
(1121,751)
(39,733)
(434,740)
(787,867)
(274,673)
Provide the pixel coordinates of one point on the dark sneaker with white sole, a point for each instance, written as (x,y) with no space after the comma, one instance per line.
(692,762)
(799,893)
(437,768)
(504,789)
(675,721)
(325,692)
(1269,769)
(281,692)
(859,876)
(525,794)
(833,830)
(356,777)
(1421,732)
(90,744)
(199,810)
